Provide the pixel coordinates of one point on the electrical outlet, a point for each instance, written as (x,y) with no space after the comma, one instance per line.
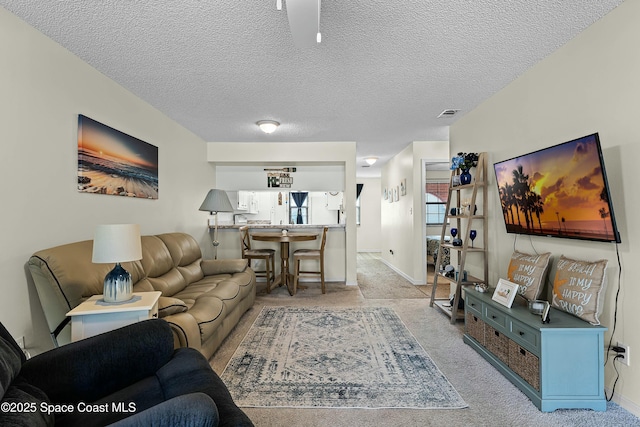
(625,359)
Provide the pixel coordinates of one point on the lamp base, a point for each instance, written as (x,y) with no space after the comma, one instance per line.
(117,285)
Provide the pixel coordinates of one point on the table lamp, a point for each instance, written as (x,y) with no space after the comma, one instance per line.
(117,243)
(216,201)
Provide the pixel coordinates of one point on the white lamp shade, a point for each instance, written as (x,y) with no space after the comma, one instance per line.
(116,243)
(216,201)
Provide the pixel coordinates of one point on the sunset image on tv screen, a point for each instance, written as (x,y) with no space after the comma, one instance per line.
(559,191)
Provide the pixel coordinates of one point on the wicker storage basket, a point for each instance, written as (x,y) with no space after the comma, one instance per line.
(525,364)
(497,343)
(475,328)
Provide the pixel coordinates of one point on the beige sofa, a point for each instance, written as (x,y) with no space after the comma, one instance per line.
(202,300)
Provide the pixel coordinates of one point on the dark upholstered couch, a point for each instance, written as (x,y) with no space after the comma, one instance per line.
(130,376)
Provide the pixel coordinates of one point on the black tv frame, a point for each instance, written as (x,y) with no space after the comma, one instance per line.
(563,189)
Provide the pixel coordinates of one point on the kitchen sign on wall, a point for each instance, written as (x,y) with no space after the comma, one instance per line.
(279,178)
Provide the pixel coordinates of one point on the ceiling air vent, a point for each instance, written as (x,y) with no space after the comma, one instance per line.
(448,113)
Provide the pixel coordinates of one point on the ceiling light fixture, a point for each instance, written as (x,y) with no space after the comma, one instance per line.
(318,36)
(371,160)
(268,126)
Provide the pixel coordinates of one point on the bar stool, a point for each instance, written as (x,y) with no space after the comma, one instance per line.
(310,254)
(268,255)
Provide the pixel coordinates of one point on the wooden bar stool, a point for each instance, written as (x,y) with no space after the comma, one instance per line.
(268,255)
(310,254)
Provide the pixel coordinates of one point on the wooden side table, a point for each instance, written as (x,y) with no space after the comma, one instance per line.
(94,316)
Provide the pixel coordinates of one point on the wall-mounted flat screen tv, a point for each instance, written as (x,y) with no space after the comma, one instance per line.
(559,191)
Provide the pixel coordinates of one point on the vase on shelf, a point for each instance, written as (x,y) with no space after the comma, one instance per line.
(465,177)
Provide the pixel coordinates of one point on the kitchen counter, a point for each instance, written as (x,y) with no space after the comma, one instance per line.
(335,251)
(279,226)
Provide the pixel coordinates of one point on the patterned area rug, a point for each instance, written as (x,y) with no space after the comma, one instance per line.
(310,357)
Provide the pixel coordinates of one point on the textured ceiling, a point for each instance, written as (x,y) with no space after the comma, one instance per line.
(380,77)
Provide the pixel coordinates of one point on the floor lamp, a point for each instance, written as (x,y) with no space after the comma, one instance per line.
(216,201)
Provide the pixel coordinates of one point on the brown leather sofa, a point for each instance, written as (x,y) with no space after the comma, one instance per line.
(201,299)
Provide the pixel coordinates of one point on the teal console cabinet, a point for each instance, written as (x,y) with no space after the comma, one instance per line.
(557,365)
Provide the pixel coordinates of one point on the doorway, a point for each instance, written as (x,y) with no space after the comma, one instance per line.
(435,179)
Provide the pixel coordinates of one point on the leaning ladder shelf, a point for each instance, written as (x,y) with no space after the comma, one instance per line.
(465,220)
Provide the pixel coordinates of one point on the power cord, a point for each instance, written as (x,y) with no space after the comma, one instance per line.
(615,310)
(613,390)
(613,331)
(533,247)
(515,240)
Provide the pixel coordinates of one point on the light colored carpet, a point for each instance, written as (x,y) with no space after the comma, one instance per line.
(378,281)
(335,357)
(493,401)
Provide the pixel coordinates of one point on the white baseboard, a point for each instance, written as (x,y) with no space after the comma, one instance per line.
(410,279)
(624,402)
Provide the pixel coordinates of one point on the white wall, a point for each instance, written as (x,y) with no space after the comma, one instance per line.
(589,85)
(369,237)
(397,221)
(402,222)
(44,88)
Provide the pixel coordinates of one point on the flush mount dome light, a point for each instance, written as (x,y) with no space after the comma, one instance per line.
(371,160)
(268,126)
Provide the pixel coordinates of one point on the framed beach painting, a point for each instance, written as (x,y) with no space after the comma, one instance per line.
(114,163)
